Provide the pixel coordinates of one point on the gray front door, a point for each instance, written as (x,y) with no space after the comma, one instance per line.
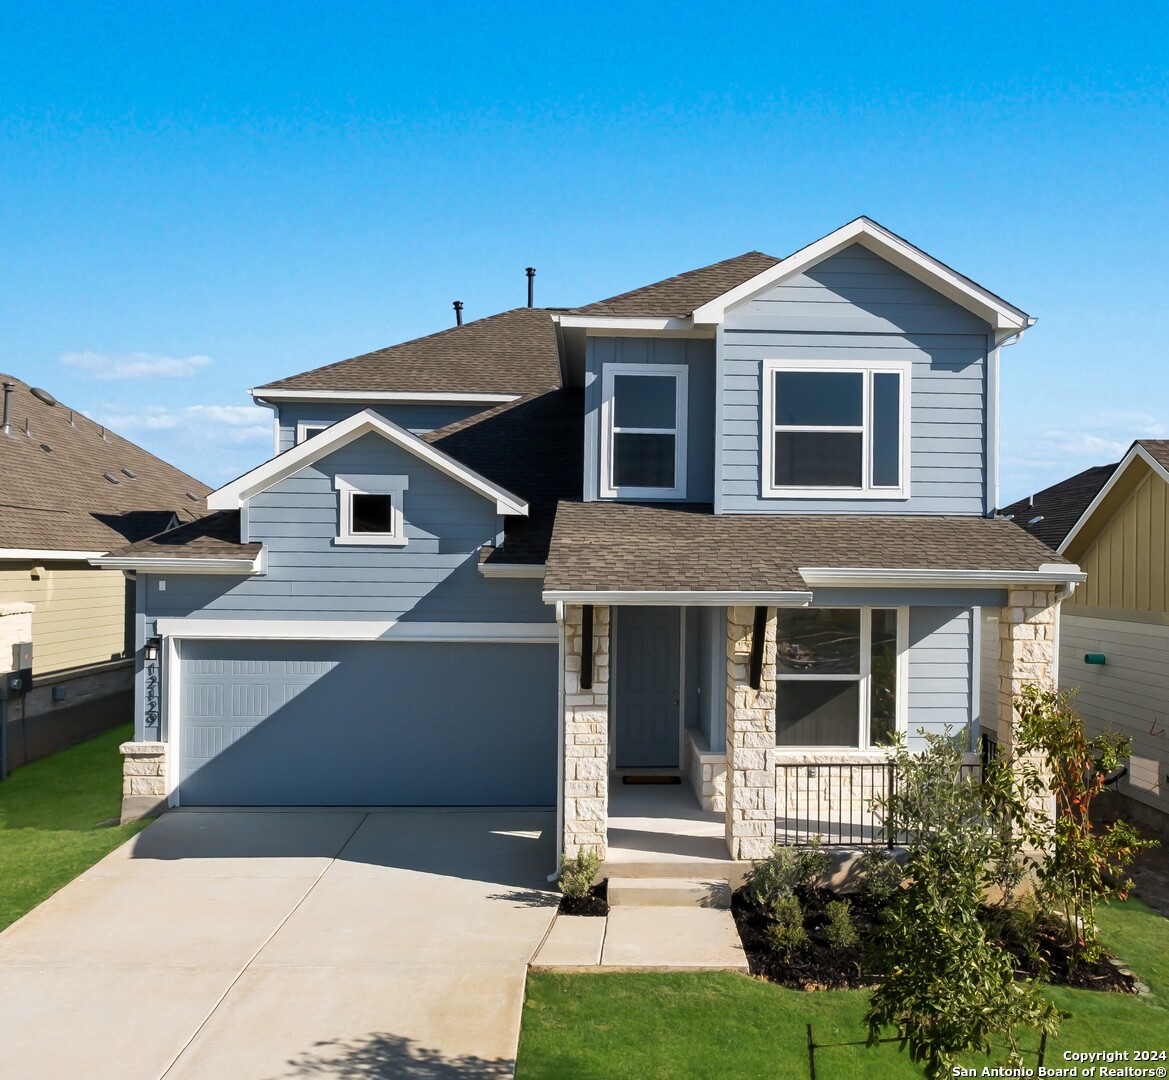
(645,687)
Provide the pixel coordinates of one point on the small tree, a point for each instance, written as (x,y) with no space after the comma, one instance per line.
(1085,865)
(946,989)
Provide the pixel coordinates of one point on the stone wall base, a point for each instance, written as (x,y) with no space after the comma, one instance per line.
(143,779)
(707,772)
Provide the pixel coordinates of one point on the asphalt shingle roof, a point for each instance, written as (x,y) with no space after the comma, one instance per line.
(215,536)
(1049,515)
(56,493)
(1158,449)
(604,546)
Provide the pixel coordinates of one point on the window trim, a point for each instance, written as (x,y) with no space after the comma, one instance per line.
(351,484)
(609,431)
(867,368)
(864,713)
(302,427)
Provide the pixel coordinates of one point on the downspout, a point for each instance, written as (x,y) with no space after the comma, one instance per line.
(559,741)
(1061,594)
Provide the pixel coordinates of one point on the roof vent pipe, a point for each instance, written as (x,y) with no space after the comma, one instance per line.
(458,312)
(531,272)
(7,425)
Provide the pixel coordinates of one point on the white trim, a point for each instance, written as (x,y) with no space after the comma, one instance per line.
(631,325)
(695,598)
(1047,574)
(512,570)
(381,396)
(680,374)
(365,630)
(900,253)
(302,427)
(150,565)
(351,484)
(49,553)
(866,369)
(232,496)
(172,694)
(1135,451)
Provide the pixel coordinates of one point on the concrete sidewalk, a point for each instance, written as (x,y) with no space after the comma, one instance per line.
(280,943)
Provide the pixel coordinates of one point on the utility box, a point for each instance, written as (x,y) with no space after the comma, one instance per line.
(18,681)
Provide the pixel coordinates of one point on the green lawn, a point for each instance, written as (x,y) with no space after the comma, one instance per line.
(49,813)
(730,1026)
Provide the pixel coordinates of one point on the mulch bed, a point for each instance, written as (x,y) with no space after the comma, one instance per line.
(596,903)
(819,966)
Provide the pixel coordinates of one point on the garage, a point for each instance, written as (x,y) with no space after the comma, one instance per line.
(367,723)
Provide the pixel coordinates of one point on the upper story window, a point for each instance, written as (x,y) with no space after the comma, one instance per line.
(371,509)
(839,677)
(306,429)
(836,429)
(643,431)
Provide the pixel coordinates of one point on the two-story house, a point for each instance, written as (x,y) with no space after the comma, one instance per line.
(731,526)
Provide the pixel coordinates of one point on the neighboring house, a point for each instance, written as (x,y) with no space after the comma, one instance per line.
(72,490)
(733,525)
(1114,639)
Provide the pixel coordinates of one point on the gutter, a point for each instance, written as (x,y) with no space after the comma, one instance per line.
(235,567)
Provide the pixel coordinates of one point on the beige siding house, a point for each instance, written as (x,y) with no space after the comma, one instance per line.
(74,490)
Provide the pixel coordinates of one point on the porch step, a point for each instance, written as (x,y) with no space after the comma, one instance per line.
(623,868)
(669,892)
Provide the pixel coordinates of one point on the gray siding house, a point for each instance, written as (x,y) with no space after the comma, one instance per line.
(729,528)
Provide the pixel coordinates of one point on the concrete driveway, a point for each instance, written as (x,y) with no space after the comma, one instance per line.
(249,944)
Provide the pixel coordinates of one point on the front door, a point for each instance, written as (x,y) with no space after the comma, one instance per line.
(646,668)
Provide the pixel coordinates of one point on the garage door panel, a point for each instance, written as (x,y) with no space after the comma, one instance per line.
(368,723)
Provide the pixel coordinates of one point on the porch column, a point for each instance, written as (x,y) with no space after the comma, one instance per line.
(750,781)
(586,735)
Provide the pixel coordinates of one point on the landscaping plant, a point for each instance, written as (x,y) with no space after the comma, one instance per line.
(1085,865)
(841,930)
(576,874)
(786,869)
(787,934)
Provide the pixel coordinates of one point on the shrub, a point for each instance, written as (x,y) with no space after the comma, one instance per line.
(576,875)
(787,934)
(841,930)
(786,869)
(881,874)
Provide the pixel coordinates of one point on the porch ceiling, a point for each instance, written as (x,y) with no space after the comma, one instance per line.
(620,548)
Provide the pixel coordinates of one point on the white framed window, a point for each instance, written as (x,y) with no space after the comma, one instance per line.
(306,429)
(835,429)
(840,677)
(371,509)
(643,431)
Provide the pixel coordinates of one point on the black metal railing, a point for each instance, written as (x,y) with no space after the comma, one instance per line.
(840,803)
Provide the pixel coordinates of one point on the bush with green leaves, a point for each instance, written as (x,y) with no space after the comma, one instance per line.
(576,874)
(880,874)
(841,930)
(946,988)
(786,935)
(786,869)
(1085,865)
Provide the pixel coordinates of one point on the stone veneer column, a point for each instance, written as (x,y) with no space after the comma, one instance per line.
(1026,651)
(750,779)
(143,779)
(586,736)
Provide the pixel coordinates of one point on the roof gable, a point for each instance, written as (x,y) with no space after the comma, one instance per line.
(233,496)
(1049,515)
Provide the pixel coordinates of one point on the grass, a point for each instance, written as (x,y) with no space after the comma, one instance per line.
(49,815)
(613,1025)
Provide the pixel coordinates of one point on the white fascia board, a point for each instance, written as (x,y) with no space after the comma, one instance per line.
(1135,451)
(356,630)
(232,496)
(630,598)
(382,397)
(49,554)
(632,324)
(866,577)
(512,570)
(898,252)
(146,565)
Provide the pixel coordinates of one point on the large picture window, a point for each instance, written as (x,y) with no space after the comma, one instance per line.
(643,437)
(832,430)
(838,677)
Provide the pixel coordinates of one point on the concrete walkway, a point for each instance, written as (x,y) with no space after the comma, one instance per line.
(250,944)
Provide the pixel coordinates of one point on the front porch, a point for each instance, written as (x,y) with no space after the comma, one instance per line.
(734,800)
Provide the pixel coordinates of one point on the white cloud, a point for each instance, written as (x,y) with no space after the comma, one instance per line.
(213,423)
(135,365)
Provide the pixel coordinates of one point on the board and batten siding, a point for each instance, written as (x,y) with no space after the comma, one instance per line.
(856,306)
(416,418)
(433,578)
(698,357)
(941,671)
(1129,693)
(1127,563)
(79,615)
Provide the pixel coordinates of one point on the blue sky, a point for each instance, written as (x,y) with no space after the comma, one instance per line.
(197,199)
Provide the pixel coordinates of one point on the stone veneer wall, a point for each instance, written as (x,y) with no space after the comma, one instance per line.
(1027,651)
(751,753)
(707,771)
(143,779)
(586,736)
